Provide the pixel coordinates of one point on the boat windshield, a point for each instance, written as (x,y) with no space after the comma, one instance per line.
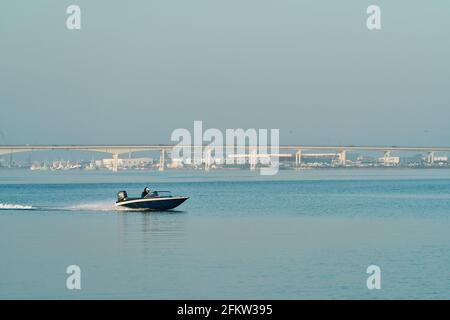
(159,194)
(164,194)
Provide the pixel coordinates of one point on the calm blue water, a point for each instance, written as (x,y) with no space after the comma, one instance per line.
(297,235)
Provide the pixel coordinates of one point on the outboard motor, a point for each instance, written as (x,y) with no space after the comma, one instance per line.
(122,195)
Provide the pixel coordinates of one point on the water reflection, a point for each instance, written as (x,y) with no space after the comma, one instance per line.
(153,229)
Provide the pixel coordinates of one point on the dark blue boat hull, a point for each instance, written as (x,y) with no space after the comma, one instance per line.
(159,204)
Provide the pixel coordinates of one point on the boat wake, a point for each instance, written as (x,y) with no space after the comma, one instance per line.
(10,206)
(91,206)
(99,206)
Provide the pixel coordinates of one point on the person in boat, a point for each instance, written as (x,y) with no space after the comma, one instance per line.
(145,192)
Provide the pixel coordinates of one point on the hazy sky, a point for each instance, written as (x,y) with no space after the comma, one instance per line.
(140,69)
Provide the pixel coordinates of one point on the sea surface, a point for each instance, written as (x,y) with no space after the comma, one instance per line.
(308,234)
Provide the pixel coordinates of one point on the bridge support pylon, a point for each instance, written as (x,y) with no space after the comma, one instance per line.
(343,157)
(208,159)
(115,162)
(298,159)
(253,159)
(162,154)
(430,158)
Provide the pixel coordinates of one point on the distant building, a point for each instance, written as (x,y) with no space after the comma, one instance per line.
(364,161)
(389,161)
(131,163)
(440,159)
(176,163)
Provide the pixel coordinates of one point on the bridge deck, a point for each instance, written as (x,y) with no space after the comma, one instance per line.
(119,149)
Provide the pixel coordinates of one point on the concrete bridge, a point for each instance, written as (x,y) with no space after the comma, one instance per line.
(298,150)
(114,150)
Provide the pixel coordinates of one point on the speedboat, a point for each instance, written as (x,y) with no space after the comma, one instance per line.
(154,201)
